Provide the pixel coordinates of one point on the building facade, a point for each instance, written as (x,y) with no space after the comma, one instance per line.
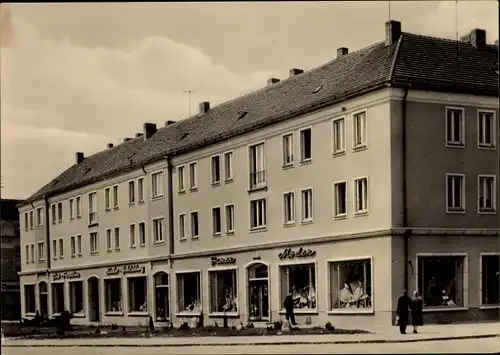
(352,182)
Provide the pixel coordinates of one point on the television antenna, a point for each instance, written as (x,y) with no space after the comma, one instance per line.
(189,92)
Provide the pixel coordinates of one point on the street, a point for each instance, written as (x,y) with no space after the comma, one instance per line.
(488,345)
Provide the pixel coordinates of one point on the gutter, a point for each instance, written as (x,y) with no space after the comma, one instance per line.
(170,206)
(407,232)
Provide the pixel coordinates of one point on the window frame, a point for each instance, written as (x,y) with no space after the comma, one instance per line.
(60,215)
(452,144)
(481,305)
(169,293)
(181,222)
(364,144)
(210,285)
(302,159)
(290,222)
(154,223)
(493,210)
(61,248)
(139,224)
(72,243)
(213,158)
(343,150)
(216,233)
(25,299)
(78,207)
(92,196)
(80,314)
(463,209)
(257,185)
(54,249)
(116,238)
(128,279)
(264,225)
(131,196)
(230,177)
(193,176)
(160,187)
(303,219)
(365,211)
(71,204)
(41,251)
(232,219)
(191,214)
(177,293)
(39,217)
(107,199)
(335,198)
(181,169)
(141,195)
(53,213)
(109,240)
(79,244)
(493,144)
(52,298)
(94,251)
(292,263)
(284,147)
(116,197)
(133,242)
(106,280)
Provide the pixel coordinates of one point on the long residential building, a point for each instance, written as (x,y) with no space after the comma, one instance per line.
(345,184)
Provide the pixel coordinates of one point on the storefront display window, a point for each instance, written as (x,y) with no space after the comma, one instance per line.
(490,280)
(76,296)
(44,298)
(350,285)
(188,293)
(137,294)
(113,289)
(441,280)
(161,297)
(58,297)
(223,291)
(301,281)
(29,299)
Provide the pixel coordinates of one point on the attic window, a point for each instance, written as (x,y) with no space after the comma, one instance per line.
(317,89)
(242,114)
(87,170)
(184,135)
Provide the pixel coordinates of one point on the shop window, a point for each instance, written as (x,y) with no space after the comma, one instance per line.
(44,298)
(441,280)
(301,281)
(490,280)
(162,297)
(188,293)
(113,289)
(350,285)
(223,291)
(137,294)
(29,299)
(76,297)
(58,297)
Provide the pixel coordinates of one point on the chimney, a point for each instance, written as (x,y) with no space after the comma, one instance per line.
(342,51)
(272,81)
(126,139)
(169,122)
(392,32)
(476,37)
(149,129)
(295,71)
(79,157)
(110,145)
(137,135)
(204,106)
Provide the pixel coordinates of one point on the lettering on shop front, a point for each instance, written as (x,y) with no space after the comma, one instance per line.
(112,270)
(288,253)
(66,275)
(222,261)
(125,269)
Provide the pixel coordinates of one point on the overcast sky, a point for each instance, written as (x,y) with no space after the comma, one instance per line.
(77,76)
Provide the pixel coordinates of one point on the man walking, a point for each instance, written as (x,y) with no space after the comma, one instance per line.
(288,303)
(402,311)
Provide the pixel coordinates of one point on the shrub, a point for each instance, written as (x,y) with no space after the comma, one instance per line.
(184,326)
(329,326)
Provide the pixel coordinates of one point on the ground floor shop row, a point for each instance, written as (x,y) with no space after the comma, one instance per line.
(338,282)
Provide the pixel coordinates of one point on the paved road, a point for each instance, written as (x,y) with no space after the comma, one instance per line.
(489,345)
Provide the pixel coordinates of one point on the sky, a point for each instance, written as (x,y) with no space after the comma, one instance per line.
(75,77)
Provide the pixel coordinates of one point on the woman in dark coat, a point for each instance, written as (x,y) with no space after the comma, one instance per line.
(403,311)
(416,312)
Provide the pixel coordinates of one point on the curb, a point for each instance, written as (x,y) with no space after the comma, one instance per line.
(332,342)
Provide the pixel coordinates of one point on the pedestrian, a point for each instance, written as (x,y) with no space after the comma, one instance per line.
(402,311)
(417,318)
(288,303)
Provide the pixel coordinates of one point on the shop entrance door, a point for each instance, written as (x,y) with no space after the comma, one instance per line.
(44,299)
(258,288)
(93,299)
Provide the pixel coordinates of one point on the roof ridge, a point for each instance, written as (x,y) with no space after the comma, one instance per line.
(395,59)
(439,38)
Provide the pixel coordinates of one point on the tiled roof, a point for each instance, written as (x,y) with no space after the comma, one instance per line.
(423,62)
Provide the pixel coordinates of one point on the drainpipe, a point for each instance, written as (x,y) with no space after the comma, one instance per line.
(170,202)
(407,233)
(47,231)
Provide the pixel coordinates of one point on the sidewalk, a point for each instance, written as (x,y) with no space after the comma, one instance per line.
(381,335)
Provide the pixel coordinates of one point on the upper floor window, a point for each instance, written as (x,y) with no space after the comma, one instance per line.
(142,233)
(455,127)
(228,166)
(94,242)
(455,193)
(71,208)
(26,221)
(61,248)
(182,178)
(117,238)
(305,144)
(140,190)
(287,147)
(193,175)
(182,226)
(216,221)
(109,240)
(54,249)
(361,195)
(215,167)
(54,213)
(60,211)
(338,135)
(486,194)
(307,205)
(93,207)
(258,218)
(115,197)
(340,199)
(359,130)
(257,166)
(32,224)
(131,192)
(194,224)
(229,219)
(39,216)
(132,235)
(288,208)
(41,251)
(73,246)
(107,198)
(158,230)
(486,129)
(78,203)
(27,254)
(157,184)
(79,244)
(32,253)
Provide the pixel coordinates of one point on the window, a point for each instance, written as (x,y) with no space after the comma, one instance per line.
(78,207)
(44,296)
(301,281)
(229,218)
(216,221)
(307,205)
(41,251)
(351,284)
(113,289)
(162,297)
(158,230)
(71,208)
(194,225)
(32,247)
(27,254)
(455,193)
(228,166)
(117,238)
(76,297)
(54,215)
(94,242)
(79,244)
(39,217)
(73,246)
(340,199)
(490,280)
(288,208)
(287,149)
(361,195)
(115,197)
(142,233)
(29,299)
(188,293)
(215,163)
(93,207)
(157,184)
(32,224)
(60,211)
(455,127)
(441,280)
(486,194)
(305,144)
(54,249)
(359,130)
(257,166)
(26,222)
(193,176)
(58,297)
(61,248)
(486,129)
(338,135)
(182,226)
(132,235)
(109,240)
(182,178)
(140,190)
(258,214)
(131,192)
(137,294)
(223,291)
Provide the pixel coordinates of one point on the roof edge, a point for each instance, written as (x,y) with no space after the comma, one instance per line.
(396,56)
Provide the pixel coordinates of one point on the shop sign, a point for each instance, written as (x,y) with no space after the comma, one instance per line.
(112,270)
(128,269)
(65,275)
(222,261)
(288,253)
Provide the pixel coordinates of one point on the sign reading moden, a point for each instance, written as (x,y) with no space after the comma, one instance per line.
(125,269)
(288,253)
(65,275)
(222,261)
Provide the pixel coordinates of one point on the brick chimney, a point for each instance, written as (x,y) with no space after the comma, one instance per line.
(295,71)
(110,145)
(392,32)
(149,129)
(476,37)
(204,106)
(342,51)
(169,122)
(137,135)
(272,81)
(79,157)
